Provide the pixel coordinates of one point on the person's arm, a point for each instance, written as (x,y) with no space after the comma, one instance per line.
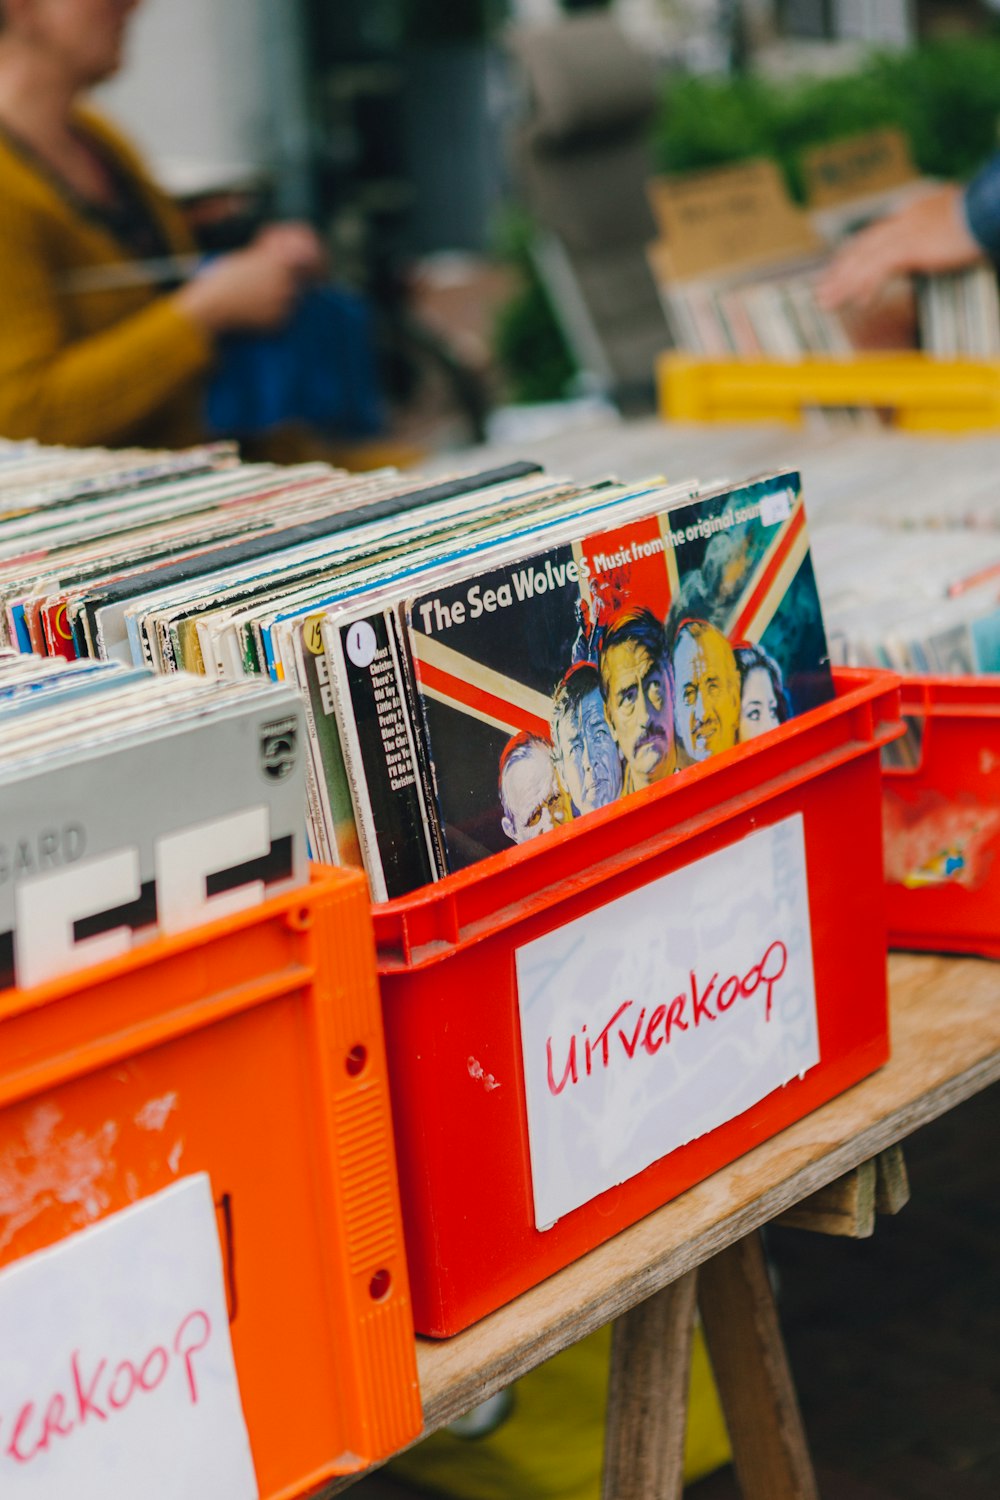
(81,390)
(60,388)
(946,229)
(981,205)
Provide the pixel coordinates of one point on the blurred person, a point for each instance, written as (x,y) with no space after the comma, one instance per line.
(946,229)
(763,702)
(115,363)
(585,753)
(707,686)
(636,686)
(531,797)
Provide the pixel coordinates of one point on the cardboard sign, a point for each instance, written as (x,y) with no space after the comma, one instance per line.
(117,1375)
(859,167)
(729,219)
(660,1016)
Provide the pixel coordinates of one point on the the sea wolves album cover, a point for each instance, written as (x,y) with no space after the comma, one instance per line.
(551,686)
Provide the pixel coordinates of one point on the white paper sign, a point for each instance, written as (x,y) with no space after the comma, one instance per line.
(658,1017)
(116,1367)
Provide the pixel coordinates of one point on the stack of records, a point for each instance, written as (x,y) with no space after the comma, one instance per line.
(959,314)
(480,659)
(762,313)
(738,263)
(135,806)
(917,601)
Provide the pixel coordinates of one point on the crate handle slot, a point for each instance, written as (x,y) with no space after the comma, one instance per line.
(356,1060)
(380,1285)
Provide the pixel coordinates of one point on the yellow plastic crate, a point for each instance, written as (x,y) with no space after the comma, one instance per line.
(923,394)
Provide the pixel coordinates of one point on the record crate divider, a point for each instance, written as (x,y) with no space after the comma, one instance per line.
(259,1036)
(924,394)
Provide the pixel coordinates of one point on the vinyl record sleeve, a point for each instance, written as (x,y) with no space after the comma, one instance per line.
(711,579)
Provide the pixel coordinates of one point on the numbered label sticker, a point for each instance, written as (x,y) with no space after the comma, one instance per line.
(312,634)
(360,644)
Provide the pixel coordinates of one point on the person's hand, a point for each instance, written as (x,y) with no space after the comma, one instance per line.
(297,245)
(255,288)
(929,234)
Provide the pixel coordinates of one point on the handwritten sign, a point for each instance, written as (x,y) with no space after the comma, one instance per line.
(857,167)
(660,1016)
(727,219)
(117,1374)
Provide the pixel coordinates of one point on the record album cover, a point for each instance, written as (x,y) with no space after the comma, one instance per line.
(549,687)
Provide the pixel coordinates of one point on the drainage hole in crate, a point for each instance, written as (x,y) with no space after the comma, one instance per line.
(356,1059)
(378,1287)
(300,920)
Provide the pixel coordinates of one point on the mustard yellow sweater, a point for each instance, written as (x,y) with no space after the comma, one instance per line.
(115,366)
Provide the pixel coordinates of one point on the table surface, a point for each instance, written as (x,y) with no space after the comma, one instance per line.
(945,1012)
(945,1028)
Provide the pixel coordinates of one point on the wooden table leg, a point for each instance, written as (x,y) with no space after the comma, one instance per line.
(844,1207)
(770,1453)
(647,1396)
(892,1184)
(848,1205)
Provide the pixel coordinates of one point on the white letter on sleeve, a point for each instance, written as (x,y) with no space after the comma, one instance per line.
(46,908)
(185,860)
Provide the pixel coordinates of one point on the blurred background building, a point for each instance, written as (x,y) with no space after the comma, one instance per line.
(398,127)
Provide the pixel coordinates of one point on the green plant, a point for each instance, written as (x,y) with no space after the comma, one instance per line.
(945,96)
(533,355)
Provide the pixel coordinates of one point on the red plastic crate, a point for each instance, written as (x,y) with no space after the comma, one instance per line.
(942,820)
(257,1042)
(446,959)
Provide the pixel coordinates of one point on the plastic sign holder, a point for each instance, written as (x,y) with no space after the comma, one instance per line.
(785,825)
(942,820)
(923,394)
(249,1050)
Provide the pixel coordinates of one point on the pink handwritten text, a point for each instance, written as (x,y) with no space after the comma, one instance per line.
(699,1005)
(96,1389)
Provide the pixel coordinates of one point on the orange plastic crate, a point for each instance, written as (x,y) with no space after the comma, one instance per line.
(263,1033)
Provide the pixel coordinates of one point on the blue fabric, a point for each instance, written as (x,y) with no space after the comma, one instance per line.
(319,369)
(982,207)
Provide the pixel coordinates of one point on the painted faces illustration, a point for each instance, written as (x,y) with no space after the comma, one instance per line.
(635,683)
(707,689)
(585,752)
(763,704)
(759,705)
(532,799)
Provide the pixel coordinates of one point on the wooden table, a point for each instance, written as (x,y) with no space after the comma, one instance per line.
(945,1019)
